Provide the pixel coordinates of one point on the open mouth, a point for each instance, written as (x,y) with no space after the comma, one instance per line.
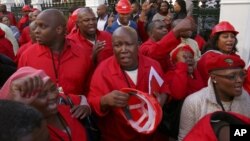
(229,45)
(92,29)
(38,39)
(52,106)
(124,58)
(238,88)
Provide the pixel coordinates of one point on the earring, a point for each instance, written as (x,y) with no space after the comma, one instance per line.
(214,82)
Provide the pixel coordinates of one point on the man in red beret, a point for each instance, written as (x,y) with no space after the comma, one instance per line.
(184,76)
(224,93)
(25,35)
(24,21)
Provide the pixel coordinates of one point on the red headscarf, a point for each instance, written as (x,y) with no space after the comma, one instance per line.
(175,51)
(20,73)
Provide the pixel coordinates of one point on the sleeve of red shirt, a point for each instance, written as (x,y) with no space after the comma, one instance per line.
(177,80)
(141,31)
(161,48)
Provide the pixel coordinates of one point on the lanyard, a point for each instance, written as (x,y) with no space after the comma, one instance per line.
(63,122)
(56,70)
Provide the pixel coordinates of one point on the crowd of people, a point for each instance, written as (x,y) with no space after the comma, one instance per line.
(141,73)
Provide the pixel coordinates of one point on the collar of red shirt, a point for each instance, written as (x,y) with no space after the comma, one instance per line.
(81,37)
(68,46)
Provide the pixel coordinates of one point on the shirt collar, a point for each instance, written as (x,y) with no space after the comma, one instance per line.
(122,24)
(105,18)
(67,46)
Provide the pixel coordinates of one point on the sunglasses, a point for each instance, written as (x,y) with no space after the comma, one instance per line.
(234,76)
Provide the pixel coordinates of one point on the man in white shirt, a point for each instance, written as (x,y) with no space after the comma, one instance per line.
(102,17)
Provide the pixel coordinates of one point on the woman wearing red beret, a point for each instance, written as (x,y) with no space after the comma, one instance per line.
(224,93)
(184,76)
(222,41)
(183,80)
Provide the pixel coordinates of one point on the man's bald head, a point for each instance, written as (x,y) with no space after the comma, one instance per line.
(102,10)
(53,16)
(128,31)
(35,14)
(103,6)
(51,28)
(87,23)
(125,47)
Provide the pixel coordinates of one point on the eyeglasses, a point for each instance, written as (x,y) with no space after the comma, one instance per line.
(233,77)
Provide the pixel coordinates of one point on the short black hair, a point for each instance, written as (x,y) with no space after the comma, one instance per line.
(17,120)
(150,26)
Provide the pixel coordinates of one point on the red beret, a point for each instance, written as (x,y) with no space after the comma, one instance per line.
(222,61)
(26,8)
(175,51)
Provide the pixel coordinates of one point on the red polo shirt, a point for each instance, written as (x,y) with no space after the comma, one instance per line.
(72,66)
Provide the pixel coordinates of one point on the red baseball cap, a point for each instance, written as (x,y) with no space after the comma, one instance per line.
(222,61)
(143,112)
